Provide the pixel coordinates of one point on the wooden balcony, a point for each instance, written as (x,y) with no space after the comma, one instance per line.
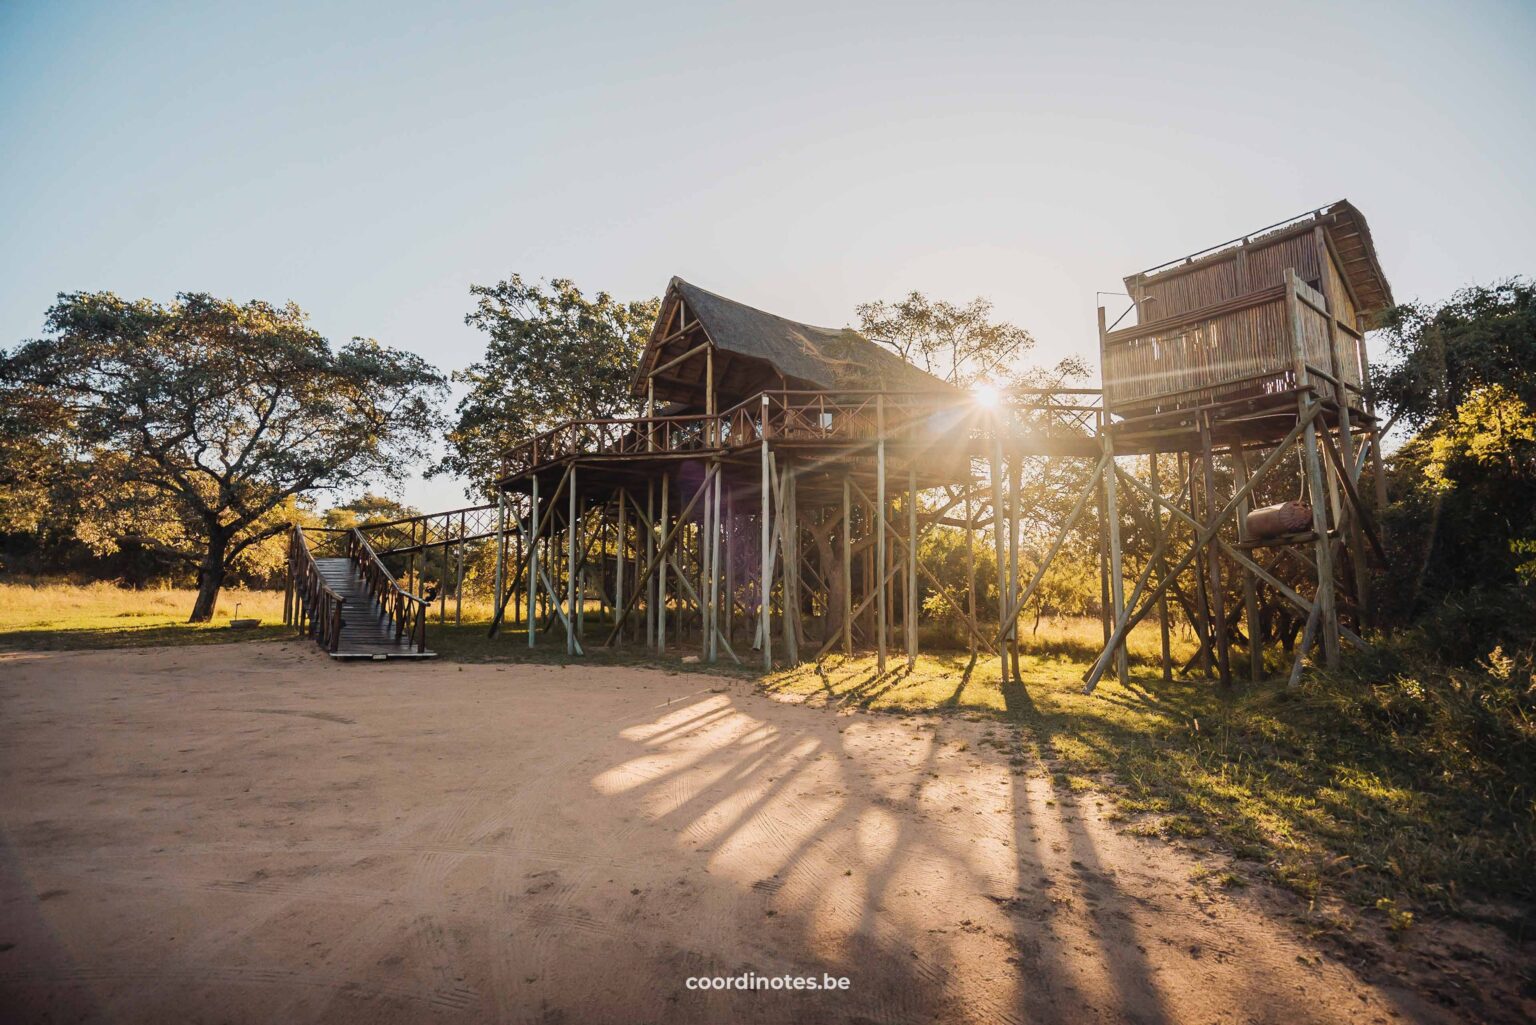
(1065,417)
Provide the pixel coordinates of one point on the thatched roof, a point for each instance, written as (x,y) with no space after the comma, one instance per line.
(1348,234)
(806,355)
(1351,238)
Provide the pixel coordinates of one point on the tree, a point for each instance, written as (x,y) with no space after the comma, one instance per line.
(553,355)
(1439,355)
(193,428)
(1462,524)
(370,508)
(32,462)
(959,344)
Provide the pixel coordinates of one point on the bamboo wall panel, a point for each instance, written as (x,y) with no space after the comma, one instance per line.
(1343,362)
(1347,351)
(1191,290)
(1267,263)
(1314,339)
(1230,354)
(1216,279)
(1338,296)
(1247,351)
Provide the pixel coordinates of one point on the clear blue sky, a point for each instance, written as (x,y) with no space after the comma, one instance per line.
(370,161)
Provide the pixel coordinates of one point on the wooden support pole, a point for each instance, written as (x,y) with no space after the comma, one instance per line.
(1308,635)
(1242,559)
(847,567)
(911,589)
(710,429)
(706,518)
(1162,599)
(661,572)
(410,563)
(663,556)
(1202,594)
(999,519)
(1350,479)
(712,625)
(1015,546)
(1203,536)
(570,563)
(1328,616)
(1218,596)
(789,545)
(1116,561)
(533,566)
(732,543)
(1093,487)
(442,586)
(583,574)
(1328,613)
(621,554)
(880,551)
(1250,588)
(1106,614)
(497,596)
(650,412)
(970,563)
(650,558)
(458,586)
(765,579)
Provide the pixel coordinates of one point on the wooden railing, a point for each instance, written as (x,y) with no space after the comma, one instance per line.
(312,607)
(406,611)
(430,530)
(830,416)
(857,415)
(612,438)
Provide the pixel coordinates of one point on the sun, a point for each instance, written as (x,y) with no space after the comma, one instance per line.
(986,396)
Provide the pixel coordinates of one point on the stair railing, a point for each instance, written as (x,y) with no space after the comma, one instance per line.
(312,606)
(406,611)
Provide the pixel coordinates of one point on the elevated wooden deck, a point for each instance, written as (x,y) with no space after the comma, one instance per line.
(943,430)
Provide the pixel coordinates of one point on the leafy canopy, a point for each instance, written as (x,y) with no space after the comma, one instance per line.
(553,355)
(1462,526)
(195,427)
(959,344)
(1438,356)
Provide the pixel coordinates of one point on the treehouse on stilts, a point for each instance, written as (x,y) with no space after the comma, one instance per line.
(1245,366)
(769,504)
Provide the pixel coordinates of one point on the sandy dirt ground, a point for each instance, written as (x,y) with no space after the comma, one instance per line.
(250,833)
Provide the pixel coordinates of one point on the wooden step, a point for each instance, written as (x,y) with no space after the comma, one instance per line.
(366,632)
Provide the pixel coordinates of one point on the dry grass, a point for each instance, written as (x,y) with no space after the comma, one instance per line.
(48,614)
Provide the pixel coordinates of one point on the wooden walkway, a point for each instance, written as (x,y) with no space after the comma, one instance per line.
(366,631)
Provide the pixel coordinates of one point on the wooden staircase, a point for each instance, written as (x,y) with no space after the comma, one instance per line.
(366,631)
(351,604)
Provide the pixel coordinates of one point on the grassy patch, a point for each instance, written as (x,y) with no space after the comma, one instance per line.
(1392,780)
(468,642)
(57,616)
(1379,783)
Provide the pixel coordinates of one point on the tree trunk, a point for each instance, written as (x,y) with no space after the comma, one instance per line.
(210,578)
